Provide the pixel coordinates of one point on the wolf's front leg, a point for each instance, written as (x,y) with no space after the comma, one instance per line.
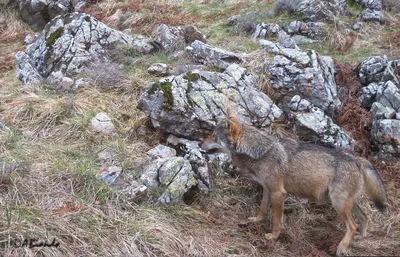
(277,200)
(264,206)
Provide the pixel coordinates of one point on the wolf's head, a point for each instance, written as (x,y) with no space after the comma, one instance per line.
(225,136)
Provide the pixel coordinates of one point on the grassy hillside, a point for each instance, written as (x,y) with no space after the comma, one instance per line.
(54,192)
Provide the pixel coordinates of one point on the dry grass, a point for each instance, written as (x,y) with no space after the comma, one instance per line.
(13,27)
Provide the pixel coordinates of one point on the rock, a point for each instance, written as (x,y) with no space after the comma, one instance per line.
(110,174)
(358,25)
(389,96)
(212,56)
(379,111)
(173,38)
(304,73)
(26,70)
(66,84)
(30,38)
(378,69)
(398,116)
(174,175)
(69,43)
(108,158)
(314,30)
(233,20)
(314,125)
(138,193)
(161,151)
(299,105)
(37,13)
(81,5)
(368,94)
(103,124)
(321,10)
(302,40)
(371,4)
(4,127)
(191,104)
(81,83)
(200,167)
(386,133)
(183,144)
(373,15)
(159,69)
(269,31)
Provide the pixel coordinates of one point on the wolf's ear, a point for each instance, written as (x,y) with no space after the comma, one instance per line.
(229,111)
(234,129)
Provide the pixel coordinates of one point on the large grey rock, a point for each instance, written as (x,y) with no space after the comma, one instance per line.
(161,151)
(312,124)
(37,13)
(378,69)
(69,43)
(389,96)
(373,15)
(159,69)
(172,38)
(269,31)
(371,4)
(190,105)
(304,73)
(212,56)
(102,123)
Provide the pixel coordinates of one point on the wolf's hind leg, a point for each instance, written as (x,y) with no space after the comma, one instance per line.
(264,207)
(343,205)
(362,219)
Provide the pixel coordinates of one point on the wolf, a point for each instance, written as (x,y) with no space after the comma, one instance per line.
(285,166)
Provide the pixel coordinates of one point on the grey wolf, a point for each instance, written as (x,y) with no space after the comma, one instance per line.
(285,166)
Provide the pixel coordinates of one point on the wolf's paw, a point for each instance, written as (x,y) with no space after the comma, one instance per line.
(342,251)
(254,219)
(271,236)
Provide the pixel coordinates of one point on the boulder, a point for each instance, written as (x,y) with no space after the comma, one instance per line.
(307,74)
(161,151)
(314,30)
(69,43)
(172,38)
(212,56)
(159,69)
(312,124)
(378,69)
(191,104)
(37,13)
(321,10)
(368,94)
(386,133)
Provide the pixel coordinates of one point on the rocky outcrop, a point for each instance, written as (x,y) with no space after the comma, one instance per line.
(37,13)
(311,124)
(173,38)
(294,71)
(68,44)
(373,15)
(212,56)
(190,105)
(371,4)
(321,10)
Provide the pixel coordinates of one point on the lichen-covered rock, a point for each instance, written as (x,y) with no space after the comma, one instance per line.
(161,151)
(371,4)
(312,124)
(389,96)
(321,10)
(68,43)
(314,30)
(212,56)
(37,13)
(304,73)
(378,69)
(269,31)
(373,15)
(386,133)
(172,38)
(159,69)
(299,105)
(191,104)
(368,94)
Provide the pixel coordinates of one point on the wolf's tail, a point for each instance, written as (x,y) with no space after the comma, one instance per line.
(374,186)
